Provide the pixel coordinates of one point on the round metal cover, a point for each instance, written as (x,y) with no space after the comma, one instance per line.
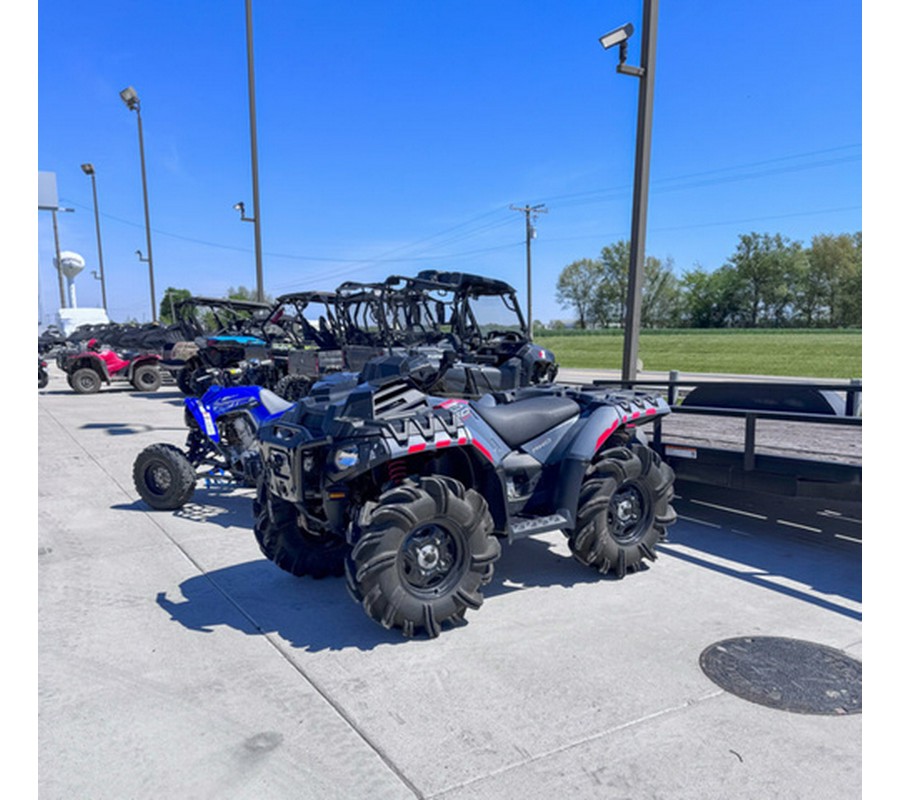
(786,674)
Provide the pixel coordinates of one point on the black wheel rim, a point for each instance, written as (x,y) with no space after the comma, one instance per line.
(158,478)
(431,560)
(629,513)
(86,382)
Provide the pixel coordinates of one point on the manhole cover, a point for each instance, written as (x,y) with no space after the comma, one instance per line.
(787,674)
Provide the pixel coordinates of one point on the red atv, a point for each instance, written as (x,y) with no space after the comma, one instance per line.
(87,370)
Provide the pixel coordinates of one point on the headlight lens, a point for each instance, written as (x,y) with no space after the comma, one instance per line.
(346,457)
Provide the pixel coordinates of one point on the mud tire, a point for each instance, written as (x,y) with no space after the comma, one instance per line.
(423,553)
(624,510)
(286,543)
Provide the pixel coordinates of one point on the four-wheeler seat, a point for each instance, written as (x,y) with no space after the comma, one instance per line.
(518,422)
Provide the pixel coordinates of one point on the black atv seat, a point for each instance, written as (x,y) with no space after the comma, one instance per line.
(520,421)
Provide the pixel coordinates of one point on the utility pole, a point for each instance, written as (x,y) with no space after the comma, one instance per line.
(530,234)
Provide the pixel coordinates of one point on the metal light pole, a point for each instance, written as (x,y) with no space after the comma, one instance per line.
(59,274)
(254,161)
(88,169)
(130,98)
(48,200)
(645,73)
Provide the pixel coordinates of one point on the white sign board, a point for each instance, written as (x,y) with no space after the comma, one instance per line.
(48,198)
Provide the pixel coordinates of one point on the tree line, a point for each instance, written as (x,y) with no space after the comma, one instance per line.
(769,281)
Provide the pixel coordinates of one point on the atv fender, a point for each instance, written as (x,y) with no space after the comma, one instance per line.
(602,424)
(88,360)
(148,358)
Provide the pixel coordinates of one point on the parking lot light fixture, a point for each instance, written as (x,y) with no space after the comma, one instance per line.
(130,98)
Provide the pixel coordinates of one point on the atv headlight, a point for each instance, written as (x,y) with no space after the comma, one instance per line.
(346,457)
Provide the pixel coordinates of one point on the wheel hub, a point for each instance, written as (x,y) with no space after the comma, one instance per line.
(628,513)
(428,558)
(625,510)
(159,478)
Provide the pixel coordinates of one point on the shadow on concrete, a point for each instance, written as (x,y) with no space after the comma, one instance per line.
(531,563)
(126,428)
(224,506)
(258,598)
(766,556)
(119,387)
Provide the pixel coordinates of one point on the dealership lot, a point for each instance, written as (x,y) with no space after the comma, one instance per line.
(176,661)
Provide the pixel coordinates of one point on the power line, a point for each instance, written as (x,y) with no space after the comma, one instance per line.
(668,228)
(462,231)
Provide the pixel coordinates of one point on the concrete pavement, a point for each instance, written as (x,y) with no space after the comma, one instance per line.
(175,661)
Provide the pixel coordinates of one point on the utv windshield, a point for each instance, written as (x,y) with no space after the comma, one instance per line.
(493,312)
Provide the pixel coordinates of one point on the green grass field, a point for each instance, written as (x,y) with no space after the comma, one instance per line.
(800,353)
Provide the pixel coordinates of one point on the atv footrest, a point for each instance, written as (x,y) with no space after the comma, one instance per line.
(527,526)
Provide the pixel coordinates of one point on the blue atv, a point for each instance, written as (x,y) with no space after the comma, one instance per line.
(221,445)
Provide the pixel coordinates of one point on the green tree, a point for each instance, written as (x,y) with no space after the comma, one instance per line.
(710,299)
(576,286)
(611,295)
(659,291)
(850,304)
(171,298)
(661,297)
(240,293)
(811,292)
(767,268)
(243,293)
(835,266)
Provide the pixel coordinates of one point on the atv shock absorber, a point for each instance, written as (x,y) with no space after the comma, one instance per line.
(397,470)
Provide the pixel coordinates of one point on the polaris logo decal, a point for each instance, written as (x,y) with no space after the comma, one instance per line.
(541,444)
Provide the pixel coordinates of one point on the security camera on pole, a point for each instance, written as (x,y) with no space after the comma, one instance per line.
(645,73)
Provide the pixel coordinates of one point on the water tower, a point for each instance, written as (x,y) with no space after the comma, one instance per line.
(70,264)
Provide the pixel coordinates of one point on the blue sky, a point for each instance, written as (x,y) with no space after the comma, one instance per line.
(394,136)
